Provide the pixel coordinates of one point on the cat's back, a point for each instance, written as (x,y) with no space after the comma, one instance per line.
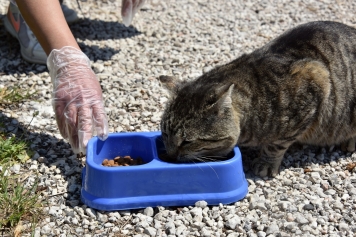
(319,55)
(318,40)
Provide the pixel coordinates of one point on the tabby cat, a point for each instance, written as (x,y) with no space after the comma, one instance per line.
(300,87)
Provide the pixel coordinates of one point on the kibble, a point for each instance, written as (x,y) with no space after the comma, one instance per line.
(122,161)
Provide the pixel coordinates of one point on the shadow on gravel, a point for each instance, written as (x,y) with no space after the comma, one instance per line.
(297,157)
(95,53)
(87,29)
(60,169)
(11,61)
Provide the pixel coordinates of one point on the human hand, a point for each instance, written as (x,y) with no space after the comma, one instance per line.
(129,9)
(77,98)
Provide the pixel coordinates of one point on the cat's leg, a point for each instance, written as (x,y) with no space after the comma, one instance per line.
(349,145)
(270,159)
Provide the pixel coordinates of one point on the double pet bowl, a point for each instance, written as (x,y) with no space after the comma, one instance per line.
(156,182)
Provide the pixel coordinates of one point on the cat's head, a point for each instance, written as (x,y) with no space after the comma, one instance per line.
(199,122)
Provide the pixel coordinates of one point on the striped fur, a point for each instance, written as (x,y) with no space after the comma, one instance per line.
(299,87)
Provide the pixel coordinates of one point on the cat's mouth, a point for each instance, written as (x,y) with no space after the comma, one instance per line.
(193,158)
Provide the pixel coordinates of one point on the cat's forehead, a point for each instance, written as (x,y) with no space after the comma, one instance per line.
(189,100)
(184,110)
(178,115)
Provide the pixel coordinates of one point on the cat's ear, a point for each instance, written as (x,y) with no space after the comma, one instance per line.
(224,94)
(170,83)
(223,100)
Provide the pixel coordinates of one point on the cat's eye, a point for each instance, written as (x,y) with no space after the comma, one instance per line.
(211,140)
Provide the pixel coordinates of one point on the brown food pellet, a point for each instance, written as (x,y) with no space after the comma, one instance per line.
(111,162)
(122,161)
(127,159)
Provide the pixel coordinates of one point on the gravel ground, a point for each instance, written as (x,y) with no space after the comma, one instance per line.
(315,193)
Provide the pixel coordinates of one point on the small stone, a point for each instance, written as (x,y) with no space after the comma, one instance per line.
(198,225)
(290,217)
(180,229)
(201,204)
(261,234)
(150,231)
(232,222)
(308,207)
(272,228)
(170,228)
(74,221)
(90,212)
(290,225)
(315,177)
(102,218)
(283,205)
(42,159)
(301,219)
(330,192)
(46,229)
(205,232)
(16,168)
(196,211)
(338,205)
(343,226)
(148,211)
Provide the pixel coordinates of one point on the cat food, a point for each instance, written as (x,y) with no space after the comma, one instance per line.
(122,161)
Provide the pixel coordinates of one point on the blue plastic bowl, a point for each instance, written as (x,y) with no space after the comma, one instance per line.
(155,183)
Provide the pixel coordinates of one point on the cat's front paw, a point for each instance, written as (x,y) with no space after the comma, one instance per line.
(263,168)
(349,145)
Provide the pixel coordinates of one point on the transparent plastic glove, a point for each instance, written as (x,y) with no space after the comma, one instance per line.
(77,98)
(129,9)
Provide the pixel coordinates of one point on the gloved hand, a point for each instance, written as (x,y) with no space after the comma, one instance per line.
(129,9)
(77,98)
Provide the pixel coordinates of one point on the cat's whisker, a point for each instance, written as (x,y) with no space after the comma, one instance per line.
(214,158)
(198,165)
(214,171)
(203,159)
(206,159)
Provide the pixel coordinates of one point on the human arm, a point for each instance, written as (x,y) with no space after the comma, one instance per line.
(47,22)
(77,97)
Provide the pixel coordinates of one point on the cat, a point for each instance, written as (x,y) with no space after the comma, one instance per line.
(300,87)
